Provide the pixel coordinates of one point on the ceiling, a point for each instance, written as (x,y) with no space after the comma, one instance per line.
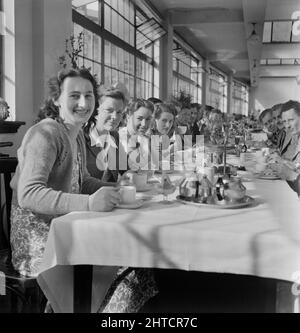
(219,30)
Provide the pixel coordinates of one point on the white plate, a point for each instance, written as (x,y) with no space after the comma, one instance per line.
(134,205)
(247,201)
(267,177)
(270,177)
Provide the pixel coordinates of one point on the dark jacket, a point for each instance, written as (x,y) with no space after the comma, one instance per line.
(114,155)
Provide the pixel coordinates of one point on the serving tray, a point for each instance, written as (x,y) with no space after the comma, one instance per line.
(245,202)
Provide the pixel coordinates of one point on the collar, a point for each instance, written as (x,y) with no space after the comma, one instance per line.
(100,140)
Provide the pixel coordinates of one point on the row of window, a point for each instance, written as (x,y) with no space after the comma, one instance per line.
(280,32)
(136,62)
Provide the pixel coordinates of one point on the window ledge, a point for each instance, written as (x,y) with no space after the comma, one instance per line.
(10,126)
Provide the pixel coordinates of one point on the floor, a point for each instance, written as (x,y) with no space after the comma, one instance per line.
(211,293)
(196,292)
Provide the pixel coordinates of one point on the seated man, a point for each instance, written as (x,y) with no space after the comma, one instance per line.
(288,163)
(266,119)
(195,111)
(279,134)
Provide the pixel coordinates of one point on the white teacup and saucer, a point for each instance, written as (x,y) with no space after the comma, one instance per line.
(128,198)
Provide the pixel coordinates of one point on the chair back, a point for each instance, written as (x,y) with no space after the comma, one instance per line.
(7,167)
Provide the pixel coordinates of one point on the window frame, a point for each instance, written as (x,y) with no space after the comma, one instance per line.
(108,36)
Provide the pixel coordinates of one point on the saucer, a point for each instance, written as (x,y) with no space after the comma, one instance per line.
(268,177)
(133,205)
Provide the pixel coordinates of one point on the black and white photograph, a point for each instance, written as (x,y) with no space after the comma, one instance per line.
(149,159)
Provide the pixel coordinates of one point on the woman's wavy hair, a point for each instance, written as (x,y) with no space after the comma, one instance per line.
(107,92)
(165,107)
(134,105)
(49,109)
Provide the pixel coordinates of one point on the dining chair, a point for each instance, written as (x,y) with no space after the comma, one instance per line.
(20,287)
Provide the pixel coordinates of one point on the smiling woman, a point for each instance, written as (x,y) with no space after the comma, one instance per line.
(51,178)
(135,137)
(102,140)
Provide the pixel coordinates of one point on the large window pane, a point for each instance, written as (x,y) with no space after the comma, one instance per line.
(121,7)
(121,77)
(138,88)
(107,18)
(282,31)
(97,72)
(131,86)
(121,59)
(114,61)
(126,62)
(126,9)
(114,23)
(97,48)
(114,4)
(131,64)
(88,44)
(118,64)
(114,76)
(107,78)
(121,27)
(126,81)
(107,53)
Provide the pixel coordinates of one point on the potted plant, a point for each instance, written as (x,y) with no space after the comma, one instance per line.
(4,113)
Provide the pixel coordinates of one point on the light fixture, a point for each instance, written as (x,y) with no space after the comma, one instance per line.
(254,38)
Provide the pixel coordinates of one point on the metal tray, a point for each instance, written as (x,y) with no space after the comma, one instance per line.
(245,202)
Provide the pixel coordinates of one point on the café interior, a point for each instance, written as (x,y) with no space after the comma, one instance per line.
(214,226)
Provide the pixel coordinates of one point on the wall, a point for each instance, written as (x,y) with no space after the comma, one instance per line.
(35,38)
(273,91)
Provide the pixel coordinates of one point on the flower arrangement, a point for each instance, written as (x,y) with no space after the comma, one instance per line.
(183,98)
(73,48)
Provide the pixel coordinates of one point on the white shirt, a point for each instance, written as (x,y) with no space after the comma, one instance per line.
(104,141)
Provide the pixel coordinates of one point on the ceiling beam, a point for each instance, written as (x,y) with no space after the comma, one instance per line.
(280,70)
(227,56)
(285,50)
(184,17)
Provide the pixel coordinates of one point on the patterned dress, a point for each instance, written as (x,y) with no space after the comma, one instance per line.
(29,231)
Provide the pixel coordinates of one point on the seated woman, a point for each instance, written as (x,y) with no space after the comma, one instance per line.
(51,178)
(183,120)
(165,131)
(105,156)
(134,137)
(106,159)
(215,125)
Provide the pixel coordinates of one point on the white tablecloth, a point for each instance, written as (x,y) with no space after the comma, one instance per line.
(242,241)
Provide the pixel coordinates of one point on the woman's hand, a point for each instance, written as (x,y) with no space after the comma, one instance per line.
(105,199)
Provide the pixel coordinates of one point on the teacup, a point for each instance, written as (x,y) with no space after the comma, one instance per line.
(140,180)
(128,194)
(260,167)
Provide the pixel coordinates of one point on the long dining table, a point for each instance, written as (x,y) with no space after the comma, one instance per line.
(261,240)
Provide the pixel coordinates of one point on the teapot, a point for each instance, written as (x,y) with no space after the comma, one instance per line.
(234,190)
(189,187)
(204,189)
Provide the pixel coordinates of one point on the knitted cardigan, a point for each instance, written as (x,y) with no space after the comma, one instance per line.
(42,182)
